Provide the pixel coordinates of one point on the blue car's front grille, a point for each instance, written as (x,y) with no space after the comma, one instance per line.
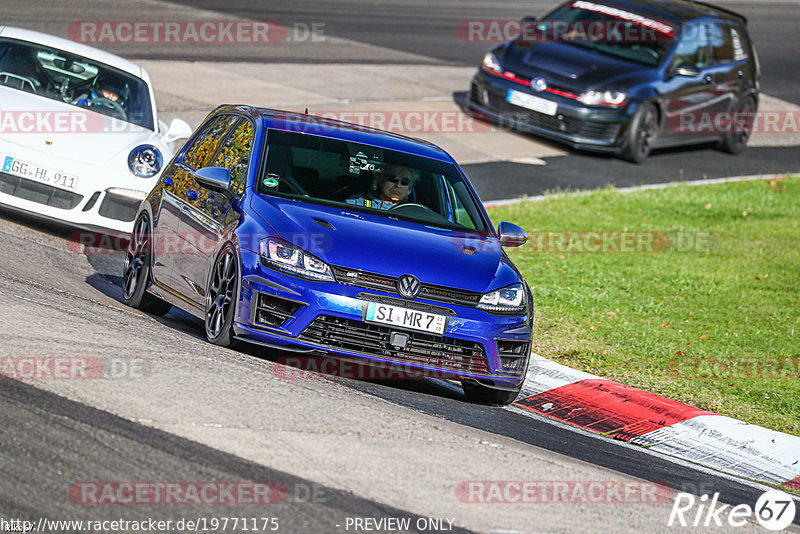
(388,284)
(445,353)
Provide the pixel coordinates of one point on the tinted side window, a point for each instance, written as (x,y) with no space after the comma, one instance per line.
(693,47)
(205,145)
(235,155)
(722,50)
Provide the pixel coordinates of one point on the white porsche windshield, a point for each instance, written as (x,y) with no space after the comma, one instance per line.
(76,80)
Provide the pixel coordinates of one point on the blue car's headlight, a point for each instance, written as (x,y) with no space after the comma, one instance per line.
(507,300)
(284,256)
(145,161)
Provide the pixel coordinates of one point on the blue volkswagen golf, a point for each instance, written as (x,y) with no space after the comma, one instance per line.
(311,235)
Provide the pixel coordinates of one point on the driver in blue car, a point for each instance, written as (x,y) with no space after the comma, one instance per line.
(390,188)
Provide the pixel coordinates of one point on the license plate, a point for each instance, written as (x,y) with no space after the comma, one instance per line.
(531,102)
(37,173)
(405,318)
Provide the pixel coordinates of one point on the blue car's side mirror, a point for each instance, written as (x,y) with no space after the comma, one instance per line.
(511,235)
(214,178)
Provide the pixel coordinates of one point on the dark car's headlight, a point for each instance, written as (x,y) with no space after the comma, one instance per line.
(491,63)
(284,256)
(145,161)
(507,300)
(602,98)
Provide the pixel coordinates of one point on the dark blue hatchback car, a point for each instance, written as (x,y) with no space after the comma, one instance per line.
(317,236)
(625,76)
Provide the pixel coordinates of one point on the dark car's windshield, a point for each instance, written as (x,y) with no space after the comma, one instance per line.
(76,80)
(362,177)
(608,30)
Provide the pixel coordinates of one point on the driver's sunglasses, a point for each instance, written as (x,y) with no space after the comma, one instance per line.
(398,180)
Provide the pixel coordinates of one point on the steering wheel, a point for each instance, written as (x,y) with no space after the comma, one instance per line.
(109,104)
(409,205)
(420,211)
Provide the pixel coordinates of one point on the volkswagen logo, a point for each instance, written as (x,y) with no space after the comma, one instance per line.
(408,286)
(538,84)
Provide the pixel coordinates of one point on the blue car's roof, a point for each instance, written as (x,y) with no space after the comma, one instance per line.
(298,122)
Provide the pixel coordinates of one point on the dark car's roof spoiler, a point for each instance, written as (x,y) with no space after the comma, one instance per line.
(722,9)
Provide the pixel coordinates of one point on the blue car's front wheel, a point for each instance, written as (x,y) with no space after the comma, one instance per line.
(221,293)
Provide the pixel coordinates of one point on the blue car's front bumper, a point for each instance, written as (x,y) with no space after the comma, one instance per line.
(284,311)
(579,126)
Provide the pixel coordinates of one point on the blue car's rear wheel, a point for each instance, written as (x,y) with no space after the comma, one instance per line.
(221,293)
(136,272)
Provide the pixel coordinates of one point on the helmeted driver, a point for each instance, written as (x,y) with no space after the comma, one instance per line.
(390,188)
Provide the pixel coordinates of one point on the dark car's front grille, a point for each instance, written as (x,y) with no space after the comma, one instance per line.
(388,284)
(39,193)
(118,207)
(445,353)
(604,131)
(533,118)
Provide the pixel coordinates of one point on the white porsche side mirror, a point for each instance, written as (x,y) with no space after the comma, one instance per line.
(178,129)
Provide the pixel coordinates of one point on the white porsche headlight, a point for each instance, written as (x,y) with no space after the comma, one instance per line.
(145,161)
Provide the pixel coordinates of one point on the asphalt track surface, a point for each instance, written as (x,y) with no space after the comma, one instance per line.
(51,440)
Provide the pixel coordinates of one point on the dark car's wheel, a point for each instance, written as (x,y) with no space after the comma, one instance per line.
(223,283)
(485,395)
(735,140)
(136,272)
(642,133)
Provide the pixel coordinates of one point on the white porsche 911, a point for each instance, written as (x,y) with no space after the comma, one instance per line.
(80,141)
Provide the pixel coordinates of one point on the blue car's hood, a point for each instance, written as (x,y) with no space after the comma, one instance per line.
(386,246)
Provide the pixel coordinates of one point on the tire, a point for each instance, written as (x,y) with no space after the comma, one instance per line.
(485,395)
(735,141)
(221,298)
(136,272)
(642,133)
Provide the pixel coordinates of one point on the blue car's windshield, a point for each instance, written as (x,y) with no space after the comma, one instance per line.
(75,80)
(607,30)
(362,177)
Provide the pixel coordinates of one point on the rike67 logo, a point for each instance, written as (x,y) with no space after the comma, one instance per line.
(774,510)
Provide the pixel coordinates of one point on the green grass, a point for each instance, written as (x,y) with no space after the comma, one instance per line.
(672,321)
